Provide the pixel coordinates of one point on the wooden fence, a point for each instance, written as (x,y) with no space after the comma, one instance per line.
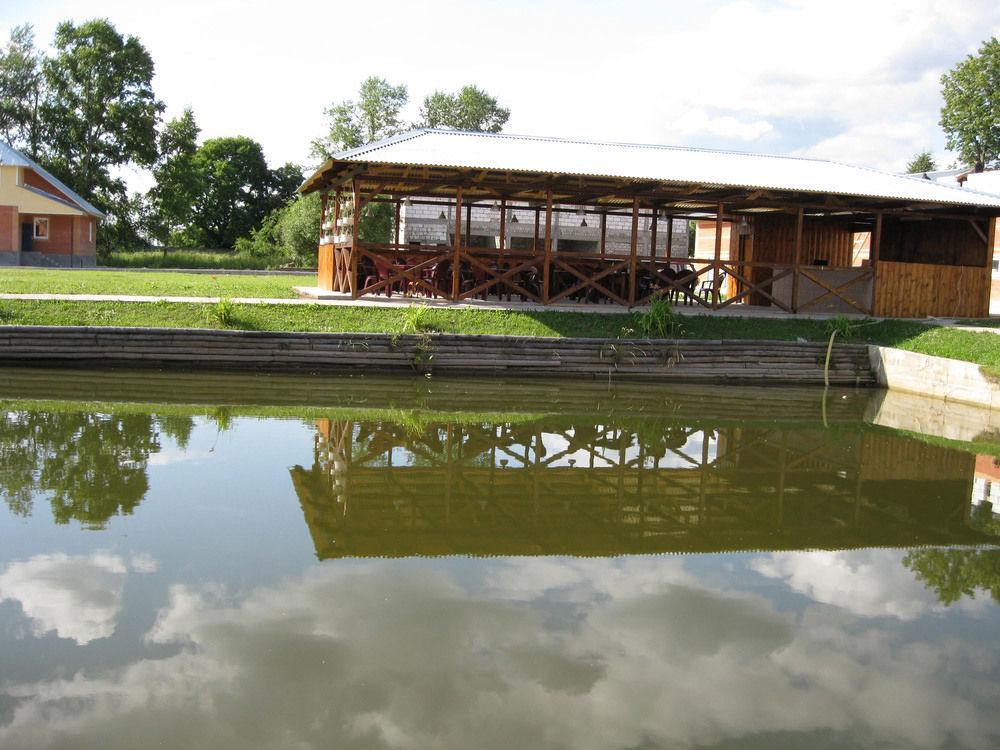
(661,360)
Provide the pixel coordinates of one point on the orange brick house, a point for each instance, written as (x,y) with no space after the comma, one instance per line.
(42,222)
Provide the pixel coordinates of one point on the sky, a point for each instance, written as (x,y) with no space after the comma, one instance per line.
(855,80)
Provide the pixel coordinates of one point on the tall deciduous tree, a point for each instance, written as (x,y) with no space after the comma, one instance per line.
(971,113)
(171,198)
(100,112)
(21,91)
(234,191)
(922,162)
(470,108)
(373,116)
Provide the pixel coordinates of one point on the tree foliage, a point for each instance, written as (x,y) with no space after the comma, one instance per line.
(100,112)
(21,91)
(231,190)
(470,108)
(970,116)
(376,114)
(922,162)
(171,198)
(288,234)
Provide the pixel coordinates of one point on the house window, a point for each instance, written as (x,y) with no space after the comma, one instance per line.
(41,229)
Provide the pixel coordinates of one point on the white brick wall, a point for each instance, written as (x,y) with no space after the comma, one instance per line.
(423,224)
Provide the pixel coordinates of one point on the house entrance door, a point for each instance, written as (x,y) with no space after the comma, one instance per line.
(27,234)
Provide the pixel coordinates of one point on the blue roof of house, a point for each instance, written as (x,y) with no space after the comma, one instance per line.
(11,157)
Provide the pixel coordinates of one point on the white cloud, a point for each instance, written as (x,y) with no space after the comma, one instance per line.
(380,655)
(871,583)
(785,76)
(78,597)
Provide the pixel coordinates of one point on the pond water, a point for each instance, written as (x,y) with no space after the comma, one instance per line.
(236,561)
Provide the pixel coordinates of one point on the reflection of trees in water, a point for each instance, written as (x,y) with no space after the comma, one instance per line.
(94,465)
(954,573)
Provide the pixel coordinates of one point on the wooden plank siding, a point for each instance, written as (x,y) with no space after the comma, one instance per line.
(916,290)
(828,239)
(325,268)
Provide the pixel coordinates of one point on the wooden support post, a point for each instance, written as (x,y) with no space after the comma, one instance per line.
(797,259)
(717,263)
(468,225)
(652,233)
(352,280)
(395,230)
(874,250)
(534,242)
(456,266)
(604,232)
(503,226)
(633,250)
(547,267)
(670,236)
(991,240)
(323,198)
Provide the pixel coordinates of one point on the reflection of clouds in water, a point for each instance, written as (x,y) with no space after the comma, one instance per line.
(870,583)
(78,597)
(381,656)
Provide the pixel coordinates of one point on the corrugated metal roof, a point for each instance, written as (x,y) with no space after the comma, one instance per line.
(453,148)
(11,157)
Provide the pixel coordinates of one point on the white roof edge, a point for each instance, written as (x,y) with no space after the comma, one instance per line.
(12,157)
(882,184)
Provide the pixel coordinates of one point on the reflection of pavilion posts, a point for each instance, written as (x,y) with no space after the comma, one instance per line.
(332,452)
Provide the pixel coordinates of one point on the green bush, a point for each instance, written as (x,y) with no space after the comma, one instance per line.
(289,235)
(660,321)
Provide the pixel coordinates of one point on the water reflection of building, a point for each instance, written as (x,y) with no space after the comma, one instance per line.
(568,487)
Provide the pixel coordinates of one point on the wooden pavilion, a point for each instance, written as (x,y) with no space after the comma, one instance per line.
(790,226)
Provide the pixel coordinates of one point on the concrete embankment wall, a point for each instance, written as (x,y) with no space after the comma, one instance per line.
(937,377)
(735,361)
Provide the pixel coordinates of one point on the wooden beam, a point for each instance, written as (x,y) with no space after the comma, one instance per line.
(982,235)
(534,242)
(604,232)
(456,270)
(797,259)
(547,267)
(352,280)
(396,225)
(503,226)
(633,251)
(652,234)
(468,224)
(670,236)
(717,267)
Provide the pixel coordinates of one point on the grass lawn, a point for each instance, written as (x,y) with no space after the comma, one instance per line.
(186,259)
(978,347)
(52,281)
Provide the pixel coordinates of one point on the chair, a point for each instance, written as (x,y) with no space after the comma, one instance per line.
(707,287)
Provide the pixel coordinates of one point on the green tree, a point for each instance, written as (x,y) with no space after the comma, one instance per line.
(373,116)
(21,91)
(234,191)
(470,108)
(970,116)
(922,162)
(288,234)
(100,112)
(171,198)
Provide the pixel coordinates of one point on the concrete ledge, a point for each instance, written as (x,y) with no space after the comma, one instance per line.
(938,377)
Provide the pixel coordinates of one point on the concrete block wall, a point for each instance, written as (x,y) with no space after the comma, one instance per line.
(423,224)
